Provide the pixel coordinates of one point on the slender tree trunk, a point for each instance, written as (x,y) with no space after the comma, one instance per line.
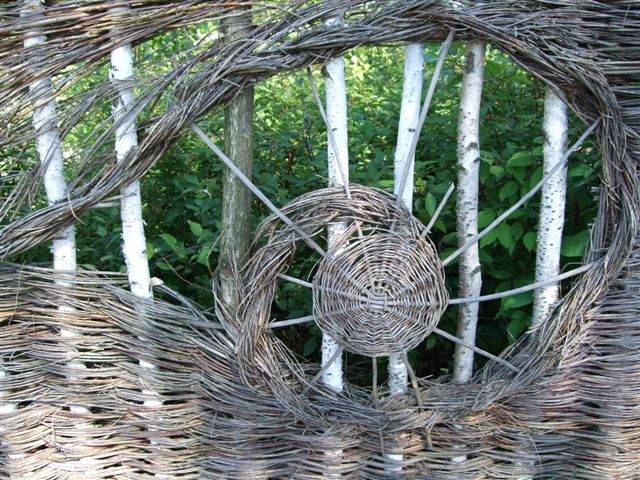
(407,126)
(133,238)
(338,165)
(552,207)
(467,204)
(236,198)
(338,168)
(49,148)
(134,245)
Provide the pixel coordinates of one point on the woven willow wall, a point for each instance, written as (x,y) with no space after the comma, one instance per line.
(234,401)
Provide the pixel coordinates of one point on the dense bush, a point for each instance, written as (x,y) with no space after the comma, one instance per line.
(182,193)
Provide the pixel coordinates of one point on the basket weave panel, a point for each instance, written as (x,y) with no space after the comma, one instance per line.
(236,401)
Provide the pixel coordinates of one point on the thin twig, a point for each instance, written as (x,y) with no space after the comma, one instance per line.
(256,191)
(479,351)
(324,368)
(436,214)
(525,288)
(423,114)
(526,197)
(332,138)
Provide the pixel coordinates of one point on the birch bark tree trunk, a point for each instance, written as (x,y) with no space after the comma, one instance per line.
(552,207)
(49,148)
(467,205)
(236,198)
(407,126)
(134,247)
(338,166)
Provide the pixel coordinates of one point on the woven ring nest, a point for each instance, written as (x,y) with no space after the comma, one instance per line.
(570,413)
(379,293)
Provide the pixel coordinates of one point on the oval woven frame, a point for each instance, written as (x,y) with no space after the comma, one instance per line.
(238,403)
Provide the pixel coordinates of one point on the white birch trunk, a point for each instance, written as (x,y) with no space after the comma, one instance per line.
(467,205)
(467,210)
(552,206)
(407,126)
(134,245)
(338,169)
(49,148)
(336,94)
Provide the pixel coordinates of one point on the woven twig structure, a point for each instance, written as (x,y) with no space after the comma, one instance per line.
(234,402)
(379,294)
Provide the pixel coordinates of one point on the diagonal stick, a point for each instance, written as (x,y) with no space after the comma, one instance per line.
(256,191)
(423,114)
(526,197)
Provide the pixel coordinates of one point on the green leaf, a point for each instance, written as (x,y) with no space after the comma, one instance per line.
(536,176)
(489,238)
(515,328)
(517,301)
(310,346)
(574,245)
(485,217)
(507,190)
(516,231)
(499,273)
(504,236)
(101,231)
(169,240)
(164,266)
(529,241)
(521,159)
(579,170)
(496,171)
(203,255)
(196,228)
(519,173)
(431,342)
(192,179)
(150,250)
(430,203)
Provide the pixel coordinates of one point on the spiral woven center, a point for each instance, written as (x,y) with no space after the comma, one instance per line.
(379,294)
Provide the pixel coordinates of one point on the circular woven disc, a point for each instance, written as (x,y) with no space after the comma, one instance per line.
(379,294)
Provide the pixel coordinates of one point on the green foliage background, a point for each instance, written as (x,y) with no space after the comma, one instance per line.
(182,194)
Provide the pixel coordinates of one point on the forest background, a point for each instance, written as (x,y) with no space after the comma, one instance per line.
(182,193)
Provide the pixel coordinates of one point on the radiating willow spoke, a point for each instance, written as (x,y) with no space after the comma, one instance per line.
(526,197)
(458,301)
(477,350)
(436,214)
(374,380)
(324,368)
(523,289)
(414,380)
(293,321)
(442,333)
(256,191)
(350,296)
(423,113)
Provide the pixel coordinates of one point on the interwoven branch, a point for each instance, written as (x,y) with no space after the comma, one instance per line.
(235,402)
